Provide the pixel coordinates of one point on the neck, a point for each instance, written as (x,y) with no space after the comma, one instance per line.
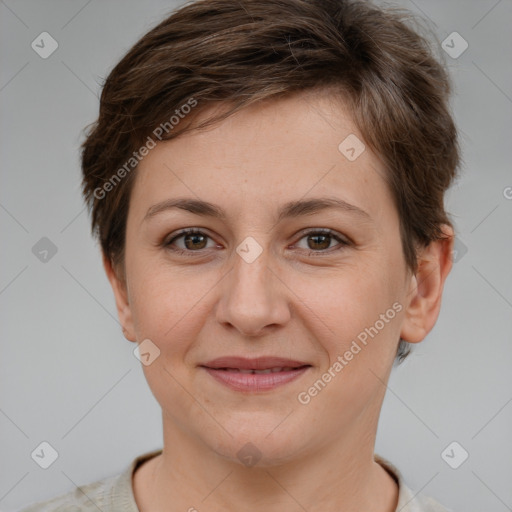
(335,476)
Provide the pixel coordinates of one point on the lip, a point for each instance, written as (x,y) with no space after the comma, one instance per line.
(258,363)
(226,370)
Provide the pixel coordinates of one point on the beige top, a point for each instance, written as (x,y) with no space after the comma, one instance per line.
(115,494)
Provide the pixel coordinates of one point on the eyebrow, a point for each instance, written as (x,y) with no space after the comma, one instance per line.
(291,209)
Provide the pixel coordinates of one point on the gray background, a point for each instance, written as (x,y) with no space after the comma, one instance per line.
(70,378)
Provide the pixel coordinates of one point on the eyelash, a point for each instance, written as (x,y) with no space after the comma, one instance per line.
(316,231)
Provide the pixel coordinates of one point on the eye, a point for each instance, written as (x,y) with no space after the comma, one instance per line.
(193,240)
(319,240)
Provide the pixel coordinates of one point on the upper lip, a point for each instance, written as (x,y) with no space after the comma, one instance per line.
(259,363)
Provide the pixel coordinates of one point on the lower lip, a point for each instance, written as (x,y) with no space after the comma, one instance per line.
(255,381)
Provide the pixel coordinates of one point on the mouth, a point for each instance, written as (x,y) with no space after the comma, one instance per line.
(254,375)
(278,369)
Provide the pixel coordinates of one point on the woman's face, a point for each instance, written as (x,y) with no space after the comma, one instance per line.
(259,279)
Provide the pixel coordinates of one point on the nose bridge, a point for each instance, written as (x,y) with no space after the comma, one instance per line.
(251,298)
(251,263)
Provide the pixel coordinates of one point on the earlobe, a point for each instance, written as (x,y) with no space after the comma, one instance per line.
(425,292)
(119,288)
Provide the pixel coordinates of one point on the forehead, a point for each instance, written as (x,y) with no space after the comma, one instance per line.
(267,154)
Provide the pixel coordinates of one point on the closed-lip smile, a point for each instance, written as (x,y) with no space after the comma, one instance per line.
(253,375)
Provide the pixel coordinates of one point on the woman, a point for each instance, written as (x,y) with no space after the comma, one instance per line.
(266,179)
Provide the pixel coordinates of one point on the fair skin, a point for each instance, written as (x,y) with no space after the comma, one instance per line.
(210,302)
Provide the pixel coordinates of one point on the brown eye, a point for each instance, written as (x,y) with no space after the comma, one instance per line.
(319,241)
(193,241)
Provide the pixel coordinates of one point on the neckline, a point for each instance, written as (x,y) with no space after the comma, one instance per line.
(123,489)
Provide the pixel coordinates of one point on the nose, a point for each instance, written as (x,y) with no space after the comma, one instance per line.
(253,297)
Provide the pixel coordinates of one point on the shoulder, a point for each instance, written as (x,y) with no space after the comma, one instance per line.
(111,494)
(417,502)
(421,503)
(409,501)
(85,498)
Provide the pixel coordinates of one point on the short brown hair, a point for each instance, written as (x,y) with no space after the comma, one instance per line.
(240,52)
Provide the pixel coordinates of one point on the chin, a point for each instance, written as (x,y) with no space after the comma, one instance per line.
(260,443)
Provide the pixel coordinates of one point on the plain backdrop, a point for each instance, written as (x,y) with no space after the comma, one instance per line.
(69,378)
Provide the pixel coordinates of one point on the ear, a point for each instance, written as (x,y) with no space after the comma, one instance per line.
(424,297)
(119,288)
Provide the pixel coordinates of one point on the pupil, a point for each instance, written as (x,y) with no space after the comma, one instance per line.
(194,237)
(322,240)
(324,237)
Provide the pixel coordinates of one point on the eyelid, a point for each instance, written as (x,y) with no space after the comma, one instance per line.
(166,242)
(343,240)
(327,231)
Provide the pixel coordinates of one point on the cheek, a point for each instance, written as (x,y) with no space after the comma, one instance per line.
(345,302)
(168,305)
(354,317)
(357,328)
